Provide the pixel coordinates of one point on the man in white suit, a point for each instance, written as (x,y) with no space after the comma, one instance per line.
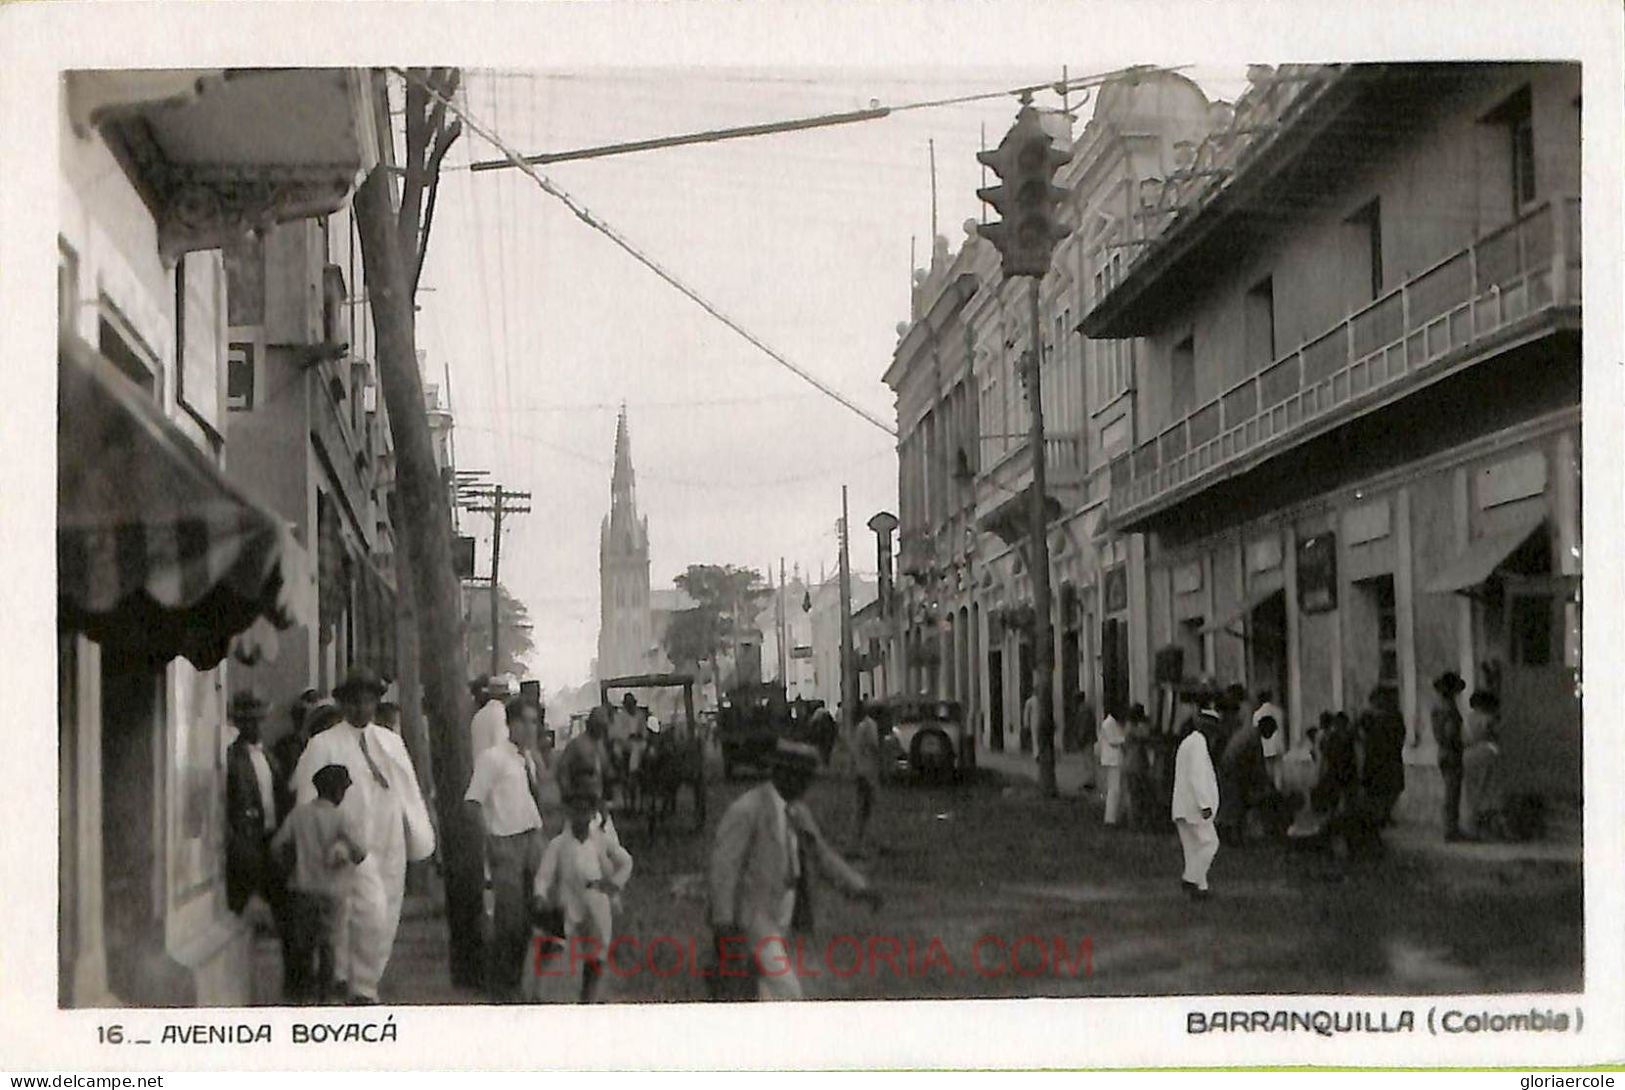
(384,800)
(760,892)
(1196,802)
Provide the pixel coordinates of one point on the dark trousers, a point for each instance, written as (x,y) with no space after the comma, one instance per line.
(513,861)
(1452,801)
(307,945)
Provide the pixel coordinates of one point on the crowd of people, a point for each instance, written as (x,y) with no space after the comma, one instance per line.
(1336,789)
(320,827)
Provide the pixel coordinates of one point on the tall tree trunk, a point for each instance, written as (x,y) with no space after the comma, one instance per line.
(426,534)
(414,729)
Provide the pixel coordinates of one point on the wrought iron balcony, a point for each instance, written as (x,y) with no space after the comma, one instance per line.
(1447,313)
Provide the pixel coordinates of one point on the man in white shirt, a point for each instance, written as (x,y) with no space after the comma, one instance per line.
(1196,801)
(384,801)
(503,792)
(1029,721)
(1275,745)
(1110,744)
(489,725)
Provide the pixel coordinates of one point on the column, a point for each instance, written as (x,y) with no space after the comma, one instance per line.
(1340,614)
(1461,498)
(1294,635)
(1210,652)
(1566,514)
(1139,605)
(1405,614)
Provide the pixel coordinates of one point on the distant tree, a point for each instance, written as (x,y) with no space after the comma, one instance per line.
(513,621)
(726,602)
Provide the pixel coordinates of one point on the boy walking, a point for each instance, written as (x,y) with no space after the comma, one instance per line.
(582,873)
(326,849)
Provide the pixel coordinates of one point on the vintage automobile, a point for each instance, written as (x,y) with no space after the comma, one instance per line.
(920,736)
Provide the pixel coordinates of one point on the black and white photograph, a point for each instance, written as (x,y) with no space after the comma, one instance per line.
(1100,522)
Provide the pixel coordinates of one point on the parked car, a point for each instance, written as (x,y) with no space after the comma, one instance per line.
(918,736)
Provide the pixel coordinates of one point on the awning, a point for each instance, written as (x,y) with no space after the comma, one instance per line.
(154,544)
(1483,556)
(1241,612)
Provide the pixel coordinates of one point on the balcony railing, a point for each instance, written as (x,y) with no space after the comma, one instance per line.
(1530,264)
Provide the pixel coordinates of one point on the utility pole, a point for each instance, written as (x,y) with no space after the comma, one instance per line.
(498,502)
(393,241)
(1044,638)
(849,681)
(1026,161)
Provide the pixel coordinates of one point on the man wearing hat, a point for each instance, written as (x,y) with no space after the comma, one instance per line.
(252,775)
(1445,718)
(489,726)
(759,884)
(386,803)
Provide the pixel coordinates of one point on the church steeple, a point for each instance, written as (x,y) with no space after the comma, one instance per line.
(623,483)
(624,630)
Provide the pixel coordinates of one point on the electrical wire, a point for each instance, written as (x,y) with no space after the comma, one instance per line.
(587,217)
(660,478)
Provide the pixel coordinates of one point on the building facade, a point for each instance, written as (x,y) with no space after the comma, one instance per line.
(965,614)
(310,439)
(168,573)
(1355,430)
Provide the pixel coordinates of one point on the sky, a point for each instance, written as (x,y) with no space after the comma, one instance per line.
(544,327)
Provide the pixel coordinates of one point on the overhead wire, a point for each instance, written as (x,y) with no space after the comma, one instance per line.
(587,217)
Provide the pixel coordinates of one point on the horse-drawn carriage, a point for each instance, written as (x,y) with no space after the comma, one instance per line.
(671,758)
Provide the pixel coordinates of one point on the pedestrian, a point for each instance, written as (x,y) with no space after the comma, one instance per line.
(1481,757)
(504,794)
(862,742)
(1109,745)
(582,873)
(1277,742)
(489,726)
(760,889)
(586,756)
(251,817)
(1196,801)
(1088,736)
(1244,784)
(1447,734)
(327,846)
(1382,773)
(387,805)
(1138,793)
(286,750)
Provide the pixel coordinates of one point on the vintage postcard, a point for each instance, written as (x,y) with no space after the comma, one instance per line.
(893,537)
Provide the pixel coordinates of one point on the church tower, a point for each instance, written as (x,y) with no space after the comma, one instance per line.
(624,627)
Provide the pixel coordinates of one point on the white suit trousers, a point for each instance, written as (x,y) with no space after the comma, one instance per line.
(1200,840)
(364,931)
(1114,794)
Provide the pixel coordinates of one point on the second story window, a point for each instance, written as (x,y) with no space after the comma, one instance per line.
(1260,324)
(1516,118)
(1182,379)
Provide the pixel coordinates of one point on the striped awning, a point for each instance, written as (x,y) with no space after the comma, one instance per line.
(155,547)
